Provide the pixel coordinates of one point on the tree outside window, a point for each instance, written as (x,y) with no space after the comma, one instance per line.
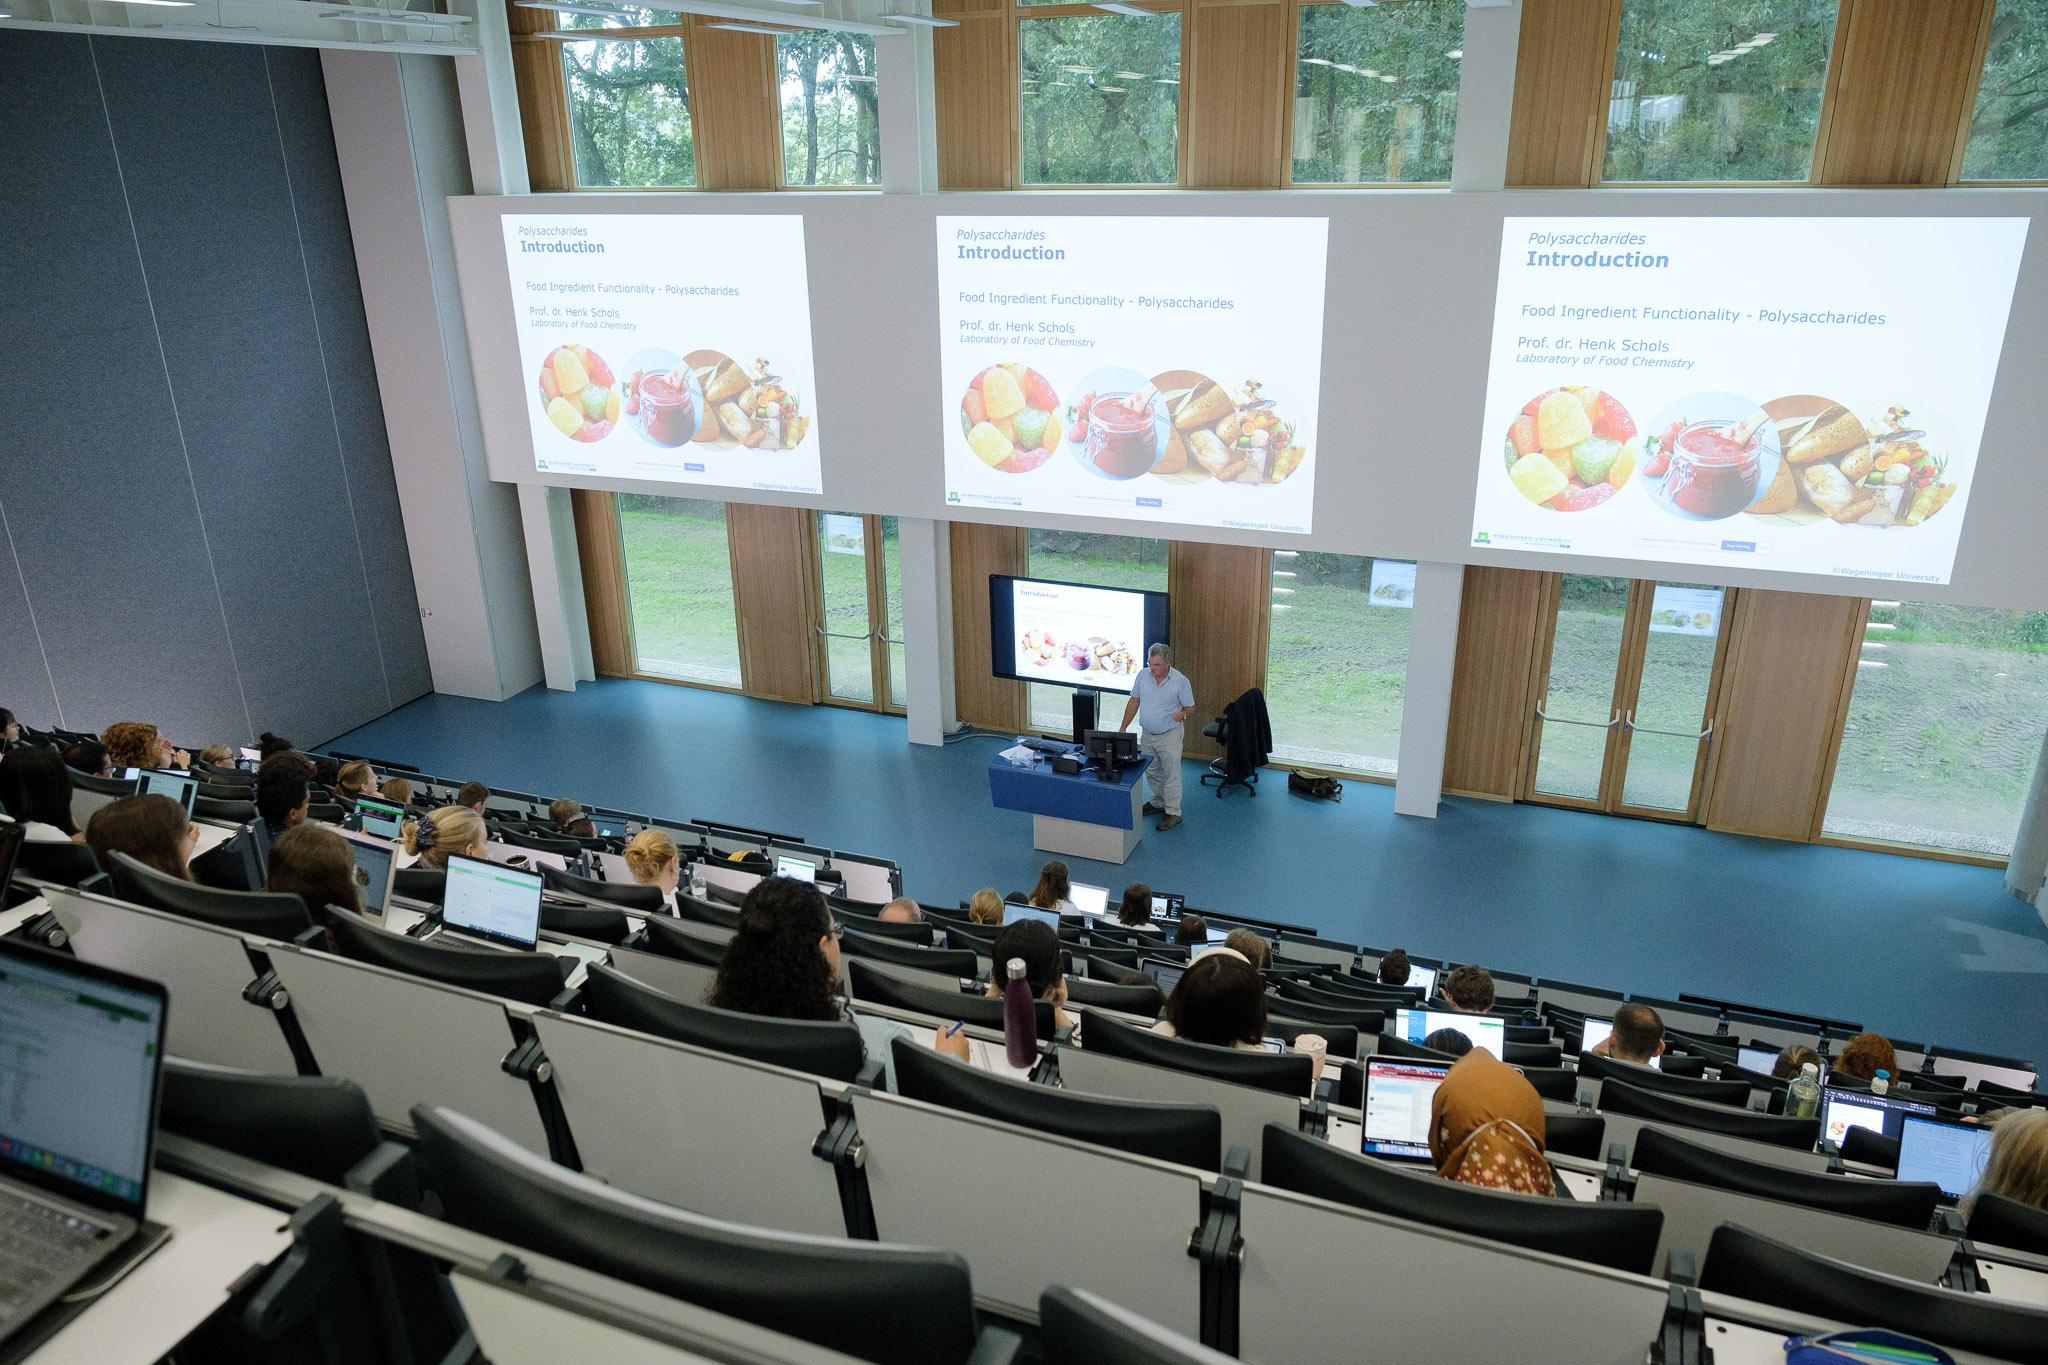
(1101,99)
(829,119)
(1376,92)
(629,112)
(2009,128)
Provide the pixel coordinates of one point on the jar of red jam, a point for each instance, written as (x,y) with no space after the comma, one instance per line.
(1711,474)
(666,414)
(1123,441)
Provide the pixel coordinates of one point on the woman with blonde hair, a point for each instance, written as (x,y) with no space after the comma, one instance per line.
(2018,1168)
(217,756)
(652,859)
(985,907)
(152,830)
(397,791)
(135,744)
(354,780)
(444,834)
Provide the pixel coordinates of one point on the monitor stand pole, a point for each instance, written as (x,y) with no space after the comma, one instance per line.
(1084,713)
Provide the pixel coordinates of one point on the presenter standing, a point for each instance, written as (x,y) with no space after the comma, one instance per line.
(1161,699)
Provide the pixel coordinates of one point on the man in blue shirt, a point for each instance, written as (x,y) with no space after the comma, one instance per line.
(1161,699)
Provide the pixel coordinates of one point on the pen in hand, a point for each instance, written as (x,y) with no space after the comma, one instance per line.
(955,1029)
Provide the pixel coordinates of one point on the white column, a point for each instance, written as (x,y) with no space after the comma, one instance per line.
(398,136)
(924,550)
(1426,697)
(548,521)
(1486,94)
(906,122)
(490,108)
(2029,863)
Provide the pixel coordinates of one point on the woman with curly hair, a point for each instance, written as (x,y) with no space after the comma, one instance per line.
(137,744)
(783,962)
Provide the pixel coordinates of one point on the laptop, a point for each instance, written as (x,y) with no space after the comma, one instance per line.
(80,1073)
(803,869)
(1017,914)
(1598,1031)
(381,818)
(1397,1096)
(1166,905)
(1167,974)
(1841,1110)
(1761,1060)
(1486,1031)
(1422,979)
(491,902)
(180,787)
(376,865)
(1951,1155)
(1089,900)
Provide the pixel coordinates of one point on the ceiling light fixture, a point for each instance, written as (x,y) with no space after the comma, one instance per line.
(719,9)
(176,4)
(921,20)
(398,18)
(750,28)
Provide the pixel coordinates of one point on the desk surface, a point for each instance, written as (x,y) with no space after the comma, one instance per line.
(215,1239)
(1083,797)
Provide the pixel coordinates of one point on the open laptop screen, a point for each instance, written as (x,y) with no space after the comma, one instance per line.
(381,818)
(1014,913)
(1761,1060)
(1397,1097)
(492,901)
(180,787)
(1841,1110)
(1952,1155)
(800,868)
(78,1077)
(1594,1033)
(1167,974)
(1484,1030)
(374,859)
(1167,905)
(1422,979)
(1089,900)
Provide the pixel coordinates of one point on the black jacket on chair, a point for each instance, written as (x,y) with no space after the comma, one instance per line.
(1248,734)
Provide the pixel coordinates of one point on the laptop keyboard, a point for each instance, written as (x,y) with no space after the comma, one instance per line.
(38,1244)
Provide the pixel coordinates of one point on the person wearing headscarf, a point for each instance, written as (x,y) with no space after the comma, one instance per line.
(1486,1127)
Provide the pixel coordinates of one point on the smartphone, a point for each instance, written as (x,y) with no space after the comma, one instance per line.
(1273,1044)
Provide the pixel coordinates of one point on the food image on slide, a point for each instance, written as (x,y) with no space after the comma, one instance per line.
(691,330)
(1080,636)
(1152,369)
(1804,395)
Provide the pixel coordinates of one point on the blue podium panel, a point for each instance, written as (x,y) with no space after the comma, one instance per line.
(1083,798)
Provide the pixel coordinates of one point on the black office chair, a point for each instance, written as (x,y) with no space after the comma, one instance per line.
(425,884)
(1077,1328)
(1341,1038)
(959,962)
(267,914)
(1998,1221)
(1581,1135)
(919,933)
(1735,1093)
(65,863)
(1684,1066)
(707,912)
(645,900)
(224,790)
(2010,1095)
(878,1301)
(665,938)
(238,812)
(1552,1082)
(1619,1097)
(726,896)
(320,1127)
(585,921)
(534,978)
(1623,1236)
(1223,774)
(1868,1147)
(105,786)
(1114,961)
(1186,1134)
(1531,1054)
(560,845)
(1905,1203)
(1145,1001)
(874,984)
(1751,1266)
(830,1048)
(1387,1045)
(1286,1073)
(1365,1021)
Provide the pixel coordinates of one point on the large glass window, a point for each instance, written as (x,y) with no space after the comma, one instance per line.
(1376,91)
(1108,561)
(1718,89)
(1101,99)
(2009,129)
(1944,727)
(629,112)
(1337,658)
(679,580)
(829,134)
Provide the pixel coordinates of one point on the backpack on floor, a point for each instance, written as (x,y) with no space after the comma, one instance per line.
(1319,785)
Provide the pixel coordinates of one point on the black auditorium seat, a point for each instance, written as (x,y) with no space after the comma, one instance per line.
(830,1048)
(268,914)
(534,978)
(1619,1097)
(1284,1073)
(1905,1203)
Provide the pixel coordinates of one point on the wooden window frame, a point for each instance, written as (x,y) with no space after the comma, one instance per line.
(1286,169)
(684,31)
(1016,15)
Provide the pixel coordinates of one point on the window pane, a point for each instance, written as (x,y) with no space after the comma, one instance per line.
(828,109)
(1101,99)
(1944,727)
(1671,695)
(1337,658)
(2009,131)
(629,112)
(843,585)
(1376,92)
(1584,656)
(679,578)
(1718,89)
(892,588)
(1107,561)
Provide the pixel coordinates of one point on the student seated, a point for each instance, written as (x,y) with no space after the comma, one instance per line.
(568,817)
(269,745)
(152,830)
(1394,968)
(10,728)
(1053,891)
(1469,990)
(473,795)
(1135,910)
(282,797)
(1867,1054)
(783,962)
(1638,1035)
(652,859)
(89,756)
(1486,1127)
(1038,948)
(397,791)
(1221,1001)
(1256,950)
(315,864)
(1192,930)
(35,789)
(449,832)
(327,772)
(1449,1041)
(134,744)
(1795,1056)
(2018,1167)
(356,779)
(217,756)
(902,910)
(985,907)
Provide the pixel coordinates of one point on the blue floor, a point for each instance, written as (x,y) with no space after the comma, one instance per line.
(1923,950)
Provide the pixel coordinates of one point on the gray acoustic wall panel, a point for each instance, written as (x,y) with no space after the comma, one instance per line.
(205,523)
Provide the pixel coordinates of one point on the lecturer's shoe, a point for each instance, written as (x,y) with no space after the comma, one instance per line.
(1154,808)
(1167,822)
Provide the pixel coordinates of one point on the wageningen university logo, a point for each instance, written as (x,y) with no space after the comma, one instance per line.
(1482,538)
(952,497)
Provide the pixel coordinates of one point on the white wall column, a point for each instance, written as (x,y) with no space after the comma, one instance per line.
(398,135)
(2025,871)
(548,520)
(1426,697)
(906,122)
(1486,94)
(924,550)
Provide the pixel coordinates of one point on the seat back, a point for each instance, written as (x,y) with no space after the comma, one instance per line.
(1733,1092)
(271,915)
(1870,1148)
(645,899)
(534,978)
(1906,1204)
(1186,1134)
(873,1300)
(1140,1000)
(560,845)
(2001,1222)
(585,921)
(238,812)
(878,986)
(706,912)
(317,1126)
(920,933)
(1283,1073)
(1553,1082)
(1619,1097)
(426,884)
(1365,1021)
(63,862)
(1535,1054)
(664,938)
(1078,1328)
(822,1048)
(1581,1135)
(1619,1235)
(957,962)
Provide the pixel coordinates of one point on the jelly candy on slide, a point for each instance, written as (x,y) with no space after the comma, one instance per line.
(570,376)
(989,444)
(564,415)
(1538,479)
